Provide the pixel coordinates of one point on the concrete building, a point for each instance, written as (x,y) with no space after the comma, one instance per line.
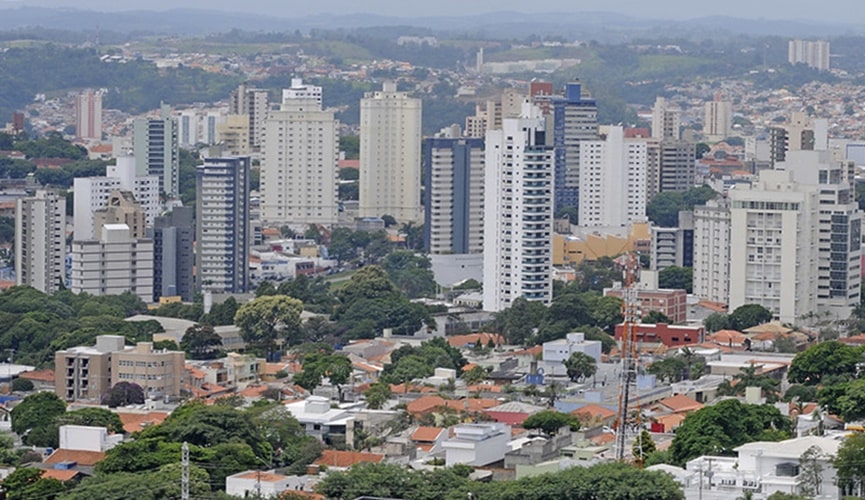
(84,373)
(255,104)
(556,352)
(390,155)
(222,231)
(518,213)
(158,371)
(92,194)
(299,170)
(801,133)
(671,303)
(662,333)
(712,251)
(198,126)
(234,135)
(115,263)
(575,119)
(477,444)
(173,255)
(40,241)
(813,53)
(666,121)
(612,180)
(718,119)
(156,150)
(673,246)
(88,115)
(677,166)
(121,208)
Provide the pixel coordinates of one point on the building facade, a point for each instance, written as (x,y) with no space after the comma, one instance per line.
(390,155)
(115,263)
(173,255)
(158,371)
(40,241)
(718,119)
(88,115)
(299,171)
(518,213)
(612,180)
(255,104)
(712,250)
(813,53)
(575,119)
(156,149)
(223,228)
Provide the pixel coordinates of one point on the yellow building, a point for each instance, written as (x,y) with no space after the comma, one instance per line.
(571,250)
(234,135)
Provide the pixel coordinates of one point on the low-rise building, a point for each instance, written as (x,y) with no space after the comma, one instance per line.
(668,335)
(158,371)
(477,444)
(556,352)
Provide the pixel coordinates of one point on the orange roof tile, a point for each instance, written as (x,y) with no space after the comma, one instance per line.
(728,336)
(424,404)
(602,439)
(134,422)
(426,434)
(484,388)
(39,375)
(254,391)
(337,458)
(531,351)
(680,403)
(670,422)
(59,474)
(85,458)
(475,338)
(594,411)
(263,476)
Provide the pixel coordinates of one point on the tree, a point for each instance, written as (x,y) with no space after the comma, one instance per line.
(22,385)
(748,377)
(36,410)
(810,480)
(643,446)
(580,366)
(517,322)
(201,342)
(716,322)
(26,482)
(798,392)
(849,465)
(316,366)
(122,394)
(377,395)
(266,319)
(655,317)
(677,278)
(92,417)
(826,359)
(846,399)
(718,429)
(702,149)
(475,375)
(388,220)
(551,421)
(749,315)
(411,273)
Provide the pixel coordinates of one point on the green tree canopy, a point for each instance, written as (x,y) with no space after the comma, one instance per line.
(826,359)
(201,342)
(267,319)
(677,278)
(36,410)
(550,421)
(122,394)
(748,315)
(849,464)
(580,366)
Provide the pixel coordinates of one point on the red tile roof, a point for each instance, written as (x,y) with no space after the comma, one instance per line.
(593,411)
(336,458)
(426,434)
(475,338)
(680,404)
(39,376)
(59,474)
(134,422)
(85,458)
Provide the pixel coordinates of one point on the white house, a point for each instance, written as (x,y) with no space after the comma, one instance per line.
(556,352)
(86,438)
(477,444)
(317,417)
(267,484)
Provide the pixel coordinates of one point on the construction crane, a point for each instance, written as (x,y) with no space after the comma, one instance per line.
(629,354)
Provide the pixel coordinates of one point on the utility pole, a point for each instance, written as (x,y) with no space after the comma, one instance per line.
(184,471)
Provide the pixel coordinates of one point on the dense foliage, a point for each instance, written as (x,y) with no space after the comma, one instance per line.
(409,363)
(664,208)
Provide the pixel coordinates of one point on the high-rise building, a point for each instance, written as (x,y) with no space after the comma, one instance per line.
(299,169)
(677,166)
(40,241)
(222,230)
(612,180)
(814,53)
(121,208)
(198,126)
(115,263)
(173,257)
(156,150)
(575,119)
(253,103)
(518,212)
(454,187)
(666,120)
(673,246)
(712,250)
(802,133)
(234,135)
(92,193)
(88,115)
(390,157)
(718,119)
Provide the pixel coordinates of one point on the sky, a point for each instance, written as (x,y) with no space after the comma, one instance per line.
(829,10)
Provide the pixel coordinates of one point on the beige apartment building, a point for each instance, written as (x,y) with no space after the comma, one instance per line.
(158,371)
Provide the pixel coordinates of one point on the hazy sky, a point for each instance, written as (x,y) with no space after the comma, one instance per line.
(828,10)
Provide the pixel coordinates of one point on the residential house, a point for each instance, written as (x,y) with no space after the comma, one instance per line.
(266,484)
(429,439)
(317,418)
(513,412)
(342,460)
(477,444)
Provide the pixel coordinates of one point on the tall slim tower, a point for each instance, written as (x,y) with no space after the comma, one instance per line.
(155,144)
(88,115)
(666,120)
(518,212)
(612,180)
(390,155)
(575,119)
(223,230)
(718,119)
(253,103)
(299,171)
(40,241)
(173,257)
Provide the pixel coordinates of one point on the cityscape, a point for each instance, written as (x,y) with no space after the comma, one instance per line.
(426,258)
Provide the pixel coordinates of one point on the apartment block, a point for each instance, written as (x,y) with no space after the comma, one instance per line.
(115,263)
(40,241)
(173,255)
(156,149)
(712,250)
(158,371)
(254,104)
(813,53)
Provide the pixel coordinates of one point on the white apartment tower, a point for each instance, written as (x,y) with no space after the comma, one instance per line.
(612,180)
(774,225)
(92,193)
(253,103)
(390,155)
(666,120)
(222,225)
(518,212)
(814,53)
(88,115)
(156,150)
(40,241)
(115,263)
(301,150)
(718,119)
(712,250)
